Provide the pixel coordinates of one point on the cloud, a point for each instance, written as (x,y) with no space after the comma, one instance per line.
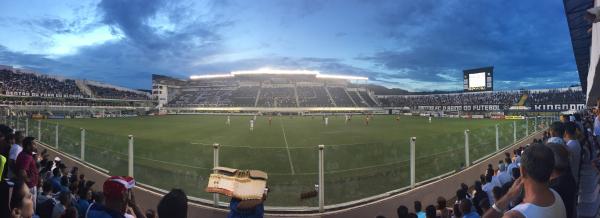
(521,40)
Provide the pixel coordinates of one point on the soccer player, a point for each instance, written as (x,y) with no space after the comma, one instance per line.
(429,118)
(367,120)
(252,125)
(228,121)
(326,121)
(270,119)
(398,118)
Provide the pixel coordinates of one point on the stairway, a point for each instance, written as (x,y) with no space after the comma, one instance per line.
(257,96)
(330,98)
(296,95)
(350,97)
(522,100)
(361,98)
(84,88)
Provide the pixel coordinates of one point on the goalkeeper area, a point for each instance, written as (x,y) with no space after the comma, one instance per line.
(361,160)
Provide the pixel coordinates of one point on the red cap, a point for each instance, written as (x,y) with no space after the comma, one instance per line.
(115,186)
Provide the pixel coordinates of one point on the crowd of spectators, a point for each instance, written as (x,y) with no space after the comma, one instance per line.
(504,99)
(45,101)
(555,176)
(34,185)
(277,97)
(30,84)
(556,97)
(46,90)
(340,97)
(112,93)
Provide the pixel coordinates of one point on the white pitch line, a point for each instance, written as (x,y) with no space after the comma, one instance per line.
(287,148)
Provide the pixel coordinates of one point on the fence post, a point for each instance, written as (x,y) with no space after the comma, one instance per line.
(412,161)
(467,162)
(130,165)
(321,179)
(82,144)
(535,124)
(497,137)
(27,127)
(215,165)
(526,126)
(514,131)
(39,130)
(56,136)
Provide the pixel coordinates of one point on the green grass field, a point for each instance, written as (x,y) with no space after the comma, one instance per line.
(360,160)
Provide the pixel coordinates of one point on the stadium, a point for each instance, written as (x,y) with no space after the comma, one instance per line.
(324,143)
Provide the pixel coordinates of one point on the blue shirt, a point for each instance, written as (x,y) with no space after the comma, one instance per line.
(82,206)
(99,211)
(55,180)
(471,215)
(256,212)
(421,214)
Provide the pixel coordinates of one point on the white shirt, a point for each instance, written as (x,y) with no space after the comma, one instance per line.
(556,140)
(251,123)
(557,209)
(14,152)
(575,156)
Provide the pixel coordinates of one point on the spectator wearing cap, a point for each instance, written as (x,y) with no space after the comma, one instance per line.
(557,131)
(537,164)
(26,167)
(174,205)
(117,196)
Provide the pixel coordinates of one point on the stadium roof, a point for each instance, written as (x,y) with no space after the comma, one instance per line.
(581,40)
(268,71)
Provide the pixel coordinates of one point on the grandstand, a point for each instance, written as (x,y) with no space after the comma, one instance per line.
(26,89)
(263,89)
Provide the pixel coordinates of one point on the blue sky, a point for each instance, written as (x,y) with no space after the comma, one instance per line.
(414,45)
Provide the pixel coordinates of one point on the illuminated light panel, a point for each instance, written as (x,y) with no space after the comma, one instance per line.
(212,76)
(331,76)
(275,72)
(268,71)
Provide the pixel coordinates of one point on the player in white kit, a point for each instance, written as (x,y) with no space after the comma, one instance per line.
(326,121)
(228,121)
(251,125)
(430,119)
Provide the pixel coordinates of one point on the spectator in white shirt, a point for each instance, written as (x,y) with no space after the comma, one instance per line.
(557,130)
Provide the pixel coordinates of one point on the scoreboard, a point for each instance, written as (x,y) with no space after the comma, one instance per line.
(479,79)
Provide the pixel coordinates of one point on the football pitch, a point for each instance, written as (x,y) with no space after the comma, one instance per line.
(176,151)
